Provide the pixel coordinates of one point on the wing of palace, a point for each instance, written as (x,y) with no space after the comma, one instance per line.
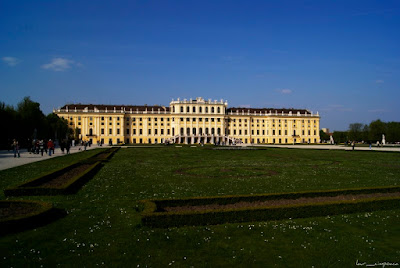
(190,121)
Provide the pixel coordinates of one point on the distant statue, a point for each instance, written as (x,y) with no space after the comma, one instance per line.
(383,139)
(332,141)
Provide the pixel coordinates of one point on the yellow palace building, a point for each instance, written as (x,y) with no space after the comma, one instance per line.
(189,122)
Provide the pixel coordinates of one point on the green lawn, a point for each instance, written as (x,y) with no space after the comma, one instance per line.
(103,227)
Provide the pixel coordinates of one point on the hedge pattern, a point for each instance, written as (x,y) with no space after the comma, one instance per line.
(154,215)
(43,213)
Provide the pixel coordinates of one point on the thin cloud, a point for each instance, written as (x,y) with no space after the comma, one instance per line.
(377,111)
(11,61)
(379,81)
(285,91)
(58,64)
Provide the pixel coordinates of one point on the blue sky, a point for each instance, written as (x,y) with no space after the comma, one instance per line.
(340,58)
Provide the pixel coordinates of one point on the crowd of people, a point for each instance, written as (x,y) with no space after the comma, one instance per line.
(45,147)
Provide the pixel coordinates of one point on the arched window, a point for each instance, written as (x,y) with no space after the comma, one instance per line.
(188,131)
(219,131)
(181,109)
(212,110)
(187,109)
(173,109)
(219,110)
(182,131)
(194,131)
(194,109)
(206,109)
(200,109)
(212,130)
(206,130)
(200,131)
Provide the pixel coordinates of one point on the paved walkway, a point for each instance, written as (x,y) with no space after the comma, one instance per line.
(7,159)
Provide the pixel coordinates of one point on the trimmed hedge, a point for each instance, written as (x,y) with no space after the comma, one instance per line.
(154,214)
(102,156)
(42,214)
(33,187)
(231,199)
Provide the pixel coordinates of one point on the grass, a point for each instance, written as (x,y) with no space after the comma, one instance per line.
(103,225)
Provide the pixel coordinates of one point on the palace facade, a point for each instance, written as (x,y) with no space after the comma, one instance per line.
(190,121)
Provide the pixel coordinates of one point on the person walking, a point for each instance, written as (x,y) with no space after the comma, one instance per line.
(41,146)
(50,146)
(15,147)
(353,144)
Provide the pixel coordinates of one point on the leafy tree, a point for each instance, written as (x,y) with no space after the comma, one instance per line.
(355,131)
(340,136)
(393,131)
(376,129)
(324,136)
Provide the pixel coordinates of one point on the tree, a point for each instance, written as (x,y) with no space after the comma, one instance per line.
(32,119)
(340,136)
(324,136)
(393,131)
(376,129)
(355,131)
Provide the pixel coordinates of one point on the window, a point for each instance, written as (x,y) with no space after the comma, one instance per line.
(162,131)
(273,132)
(219,110)
(187,119)
(200,109)
(102,131)
(194,109)
(140,132)
(134,132)
(149,131)
(187,109)
(181,109)
(127,131)
(181,119)
(118,118)
(102,118)
(206,109)
(155,132)
(117,131)
(110,131)
(212,119)
(279,132)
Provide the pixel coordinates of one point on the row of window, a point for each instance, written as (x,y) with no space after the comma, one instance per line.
(199,110)
(207,131)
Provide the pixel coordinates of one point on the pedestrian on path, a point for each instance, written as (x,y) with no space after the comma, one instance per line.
(15,147)
(50,146)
